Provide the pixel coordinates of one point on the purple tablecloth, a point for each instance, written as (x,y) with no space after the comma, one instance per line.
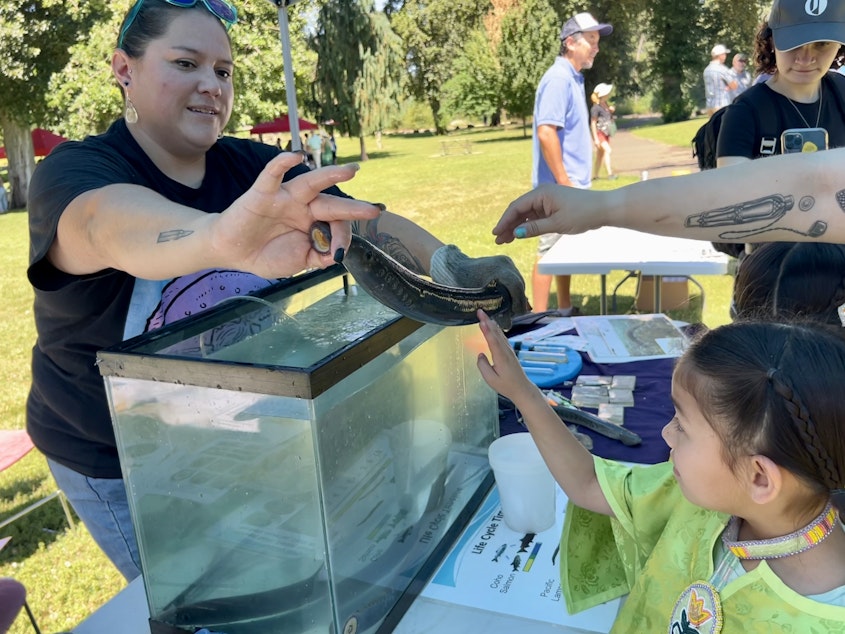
(651,411)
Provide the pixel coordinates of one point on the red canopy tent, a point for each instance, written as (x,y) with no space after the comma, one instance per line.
(43,141)
(281,124)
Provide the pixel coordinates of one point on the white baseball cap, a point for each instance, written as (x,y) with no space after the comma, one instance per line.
(584,22)
(603,90)
(719,49)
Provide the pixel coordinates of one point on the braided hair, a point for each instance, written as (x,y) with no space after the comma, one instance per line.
(774,389)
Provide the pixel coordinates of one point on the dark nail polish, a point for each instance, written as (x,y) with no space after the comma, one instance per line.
(338,255)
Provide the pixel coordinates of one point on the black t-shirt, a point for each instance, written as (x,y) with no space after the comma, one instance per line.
(75,316)
(743,124)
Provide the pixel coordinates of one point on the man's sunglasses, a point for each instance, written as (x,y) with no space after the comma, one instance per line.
(221,9)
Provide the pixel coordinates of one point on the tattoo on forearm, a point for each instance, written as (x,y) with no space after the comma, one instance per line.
(368,228)
(390,245)
(840,198)
(770,208)
(399,252)
(173,235)
(762,212)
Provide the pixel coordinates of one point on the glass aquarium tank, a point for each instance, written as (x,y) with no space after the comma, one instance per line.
(299,460)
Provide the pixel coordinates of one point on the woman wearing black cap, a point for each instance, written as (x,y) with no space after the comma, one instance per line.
(797,47)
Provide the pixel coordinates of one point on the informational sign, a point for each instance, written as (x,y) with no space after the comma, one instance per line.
(494,568)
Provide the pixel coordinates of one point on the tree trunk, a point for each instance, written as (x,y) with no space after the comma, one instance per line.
(19,153)
(364,156)
(434,104)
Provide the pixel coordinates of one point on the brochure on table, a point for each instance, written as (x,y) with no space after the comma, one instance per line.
(496,569)
(622,338)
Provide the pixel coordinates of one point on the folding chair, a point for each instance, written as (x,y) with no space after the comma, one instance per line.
(14,445)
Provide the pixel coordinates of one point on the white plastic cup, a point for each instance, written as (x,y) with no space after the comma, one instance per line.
(526,486)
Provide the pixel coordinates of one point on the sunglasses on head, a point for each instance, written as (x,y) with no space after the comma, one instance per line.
(220,9)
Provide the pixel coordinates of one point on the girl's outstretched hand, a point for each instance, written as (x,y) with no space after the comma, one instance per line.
(503,374)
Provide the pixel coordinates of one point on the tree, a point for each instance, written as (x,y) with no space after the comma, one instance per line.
(260,91)
(675,66)
(434,33)
(358,61)
(378,90)
(530,43)
(84,98)
(733,23)
(35,43)
(476,87)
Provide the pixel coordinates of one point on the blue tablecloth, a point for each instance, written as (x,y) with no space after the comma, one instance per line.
(651,411)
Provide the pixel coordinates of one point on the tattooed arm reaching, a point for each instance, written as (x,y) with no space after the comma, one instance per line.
(796,197)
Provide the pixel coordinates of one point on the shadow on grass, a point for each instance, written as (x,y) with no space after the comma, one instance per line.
(691,312)
(23,486)
(42,525)
(628,122)
(508,139)
(374,155)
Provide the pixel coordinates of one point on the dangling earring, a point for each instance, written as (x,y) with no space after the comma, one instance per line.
(131,115)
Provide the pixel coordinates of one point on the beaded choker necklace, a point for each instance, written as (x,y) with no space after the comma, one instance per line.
(803,539)
(699,608)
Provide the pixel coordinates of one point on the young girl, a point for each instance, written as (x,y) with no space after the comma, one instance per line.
(790,279)
(601,124)
(737,532)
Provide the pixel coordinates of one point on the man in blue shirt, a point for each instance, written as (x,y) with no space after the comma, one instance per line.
(563,148)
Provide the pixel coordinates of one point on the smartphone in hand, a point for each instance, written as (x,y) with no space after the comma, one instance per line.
(803,140)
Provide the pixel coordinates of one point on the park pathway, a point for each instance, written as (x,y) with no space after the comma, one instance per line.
(633,154)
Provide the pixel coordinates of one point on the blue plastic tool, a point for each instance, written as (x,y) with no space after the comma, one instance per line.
(549,366)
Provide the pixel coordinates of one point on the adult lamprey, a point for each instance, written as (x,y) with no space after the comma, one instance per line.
(411,295)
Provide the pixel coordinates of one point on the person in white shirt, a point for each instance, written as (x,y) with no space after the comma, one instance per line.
(718,80)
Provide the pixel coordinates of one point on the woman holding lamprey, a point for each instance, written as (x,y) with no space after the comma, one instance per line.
(163,197)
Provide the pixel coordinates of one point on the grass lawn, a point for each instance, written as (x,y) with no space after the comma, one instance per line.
(458,197)
(680,133)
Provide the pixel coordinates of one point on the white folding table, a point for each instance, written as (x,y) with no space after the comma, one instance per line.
(601,251)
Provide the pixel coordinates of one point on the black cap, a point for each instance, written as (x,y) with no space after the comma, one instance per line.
(795,23)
